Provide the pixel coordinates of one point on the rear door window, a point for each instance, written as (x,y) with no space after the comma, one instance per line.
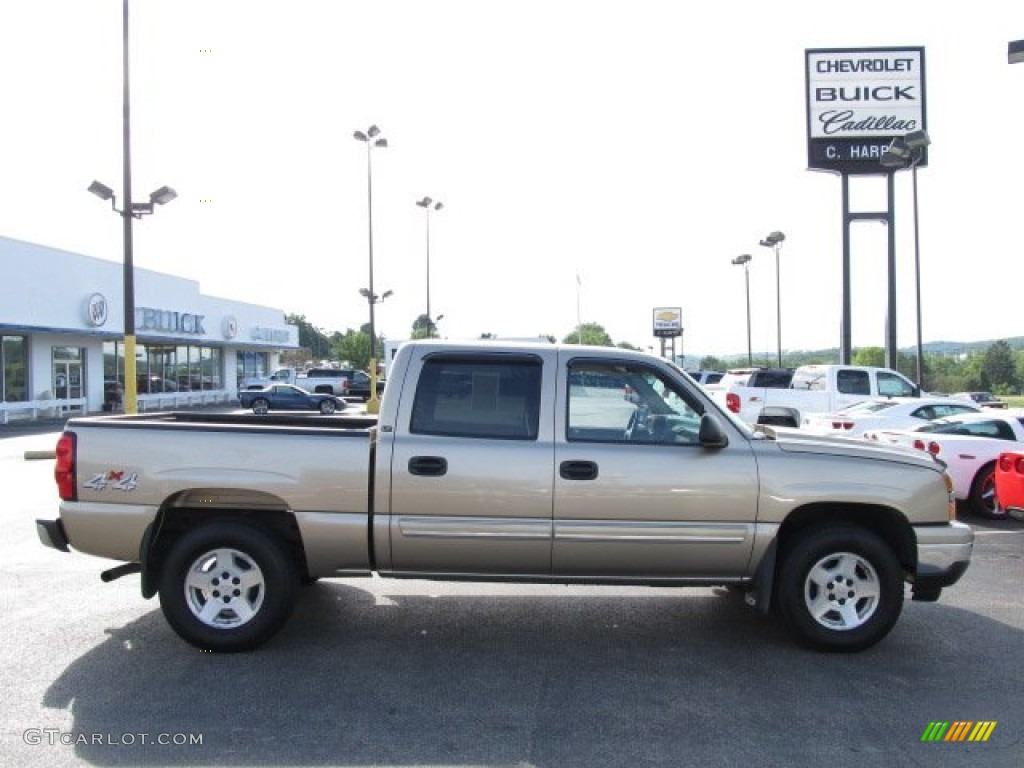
(480,398)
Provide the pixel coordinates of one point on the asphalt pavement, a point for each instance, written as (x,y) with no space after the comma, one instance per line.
(415,673)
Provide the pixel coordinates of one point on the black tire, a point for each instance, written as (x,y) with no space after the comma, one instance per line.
(260,406)
(327,407)
(260,577)
(983,494)
(821,562)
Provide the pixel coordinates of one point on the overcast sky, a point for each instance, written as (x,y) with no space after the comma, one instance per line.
(641,145)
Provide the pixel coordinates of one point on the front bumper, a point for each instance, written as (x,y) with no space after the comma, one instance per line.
(51,534)
(943,554)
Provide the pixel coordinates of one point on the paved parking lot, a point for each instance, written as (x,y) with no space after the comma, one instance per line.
(402,673)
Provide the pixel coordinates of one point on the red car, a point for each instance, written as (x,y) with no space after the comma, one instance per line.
(1010,483)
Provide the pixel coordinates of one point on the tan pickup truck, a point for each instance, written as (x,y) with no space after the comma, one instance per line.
(494,461)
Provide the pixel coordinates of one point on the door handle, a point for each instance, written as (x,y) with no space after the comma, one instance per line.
(578,470)
(428,466)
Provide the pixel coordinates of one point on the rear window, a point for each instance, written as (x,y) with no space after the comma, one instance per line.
(870,406)
(851,382)
(996,428)
(772,379)
(478,398)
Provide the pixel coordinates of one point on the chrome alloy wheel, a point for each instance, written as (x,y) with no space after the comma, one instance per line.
(224,588)
(842,591)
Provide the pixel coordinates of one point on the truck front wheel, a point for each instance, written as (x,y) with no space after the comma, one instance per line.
(227,587)
(840,588)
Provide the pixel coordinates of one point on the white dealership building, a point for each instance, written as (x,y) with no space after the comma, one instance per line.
(62,332)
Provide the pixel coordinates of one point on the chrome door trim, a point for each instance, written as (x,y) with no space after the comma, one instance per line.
(654,531)
(510,529)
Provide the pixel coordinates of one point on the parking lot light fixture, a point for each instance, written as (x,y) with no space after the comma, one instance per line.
(372,139)
(774,241)
(1015,52)
(102,191)
(428,204)
(162,196)
(129,211)
(744,261)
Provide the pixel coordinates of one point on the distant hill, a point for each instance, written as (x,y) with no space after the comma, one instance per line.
(930,348)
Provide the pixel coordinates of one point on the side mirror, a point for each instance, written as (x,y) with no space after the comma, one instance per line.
(711,434)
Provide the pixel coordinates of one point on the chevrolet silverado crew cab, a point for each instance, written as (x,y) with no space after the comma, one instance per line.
(511,462)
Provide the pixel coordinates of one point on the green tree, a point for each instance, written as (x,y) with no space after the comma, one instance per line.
(874,356)
(311,338)
(589,333)
(354,347)
(423,328)
(712,363)
(998,368)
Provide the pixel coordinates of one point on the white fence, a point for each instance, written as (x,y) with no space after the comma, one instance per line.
(54,409)
(41,409)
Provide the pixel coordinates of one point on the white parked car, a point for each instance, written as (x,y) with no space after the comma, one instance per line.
(970,446)
(886,413)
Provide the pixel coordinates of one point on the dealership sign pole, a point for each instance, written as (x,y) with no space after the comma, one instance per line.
(858,101)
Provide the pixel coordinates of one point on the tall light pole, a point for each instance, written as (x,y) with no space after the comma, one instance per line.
(372,139)
(744,260)
(1015,52)
(908,152)
(774,241)
(428,204)
(128,212)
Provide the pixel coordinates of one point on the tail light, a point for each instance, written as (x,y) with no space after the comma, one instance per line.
(1006,462)
(933,448)
(1019,465)
(847,425)
(951,495)
(64,470)
(732,402)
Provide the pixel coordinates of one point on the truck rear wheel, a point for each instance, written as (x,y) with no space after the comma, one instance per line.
(227,587)
(840,588)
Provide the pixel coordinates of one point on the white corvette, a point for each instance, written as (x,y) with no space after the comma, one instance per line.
(886,413)
(970,446)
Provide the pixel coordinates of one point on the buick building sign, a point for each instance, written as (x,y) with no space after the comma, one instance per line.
(858,101)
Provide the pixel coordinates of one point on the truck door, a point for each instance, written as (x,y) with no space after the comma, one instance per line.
(471,477)
(636,495)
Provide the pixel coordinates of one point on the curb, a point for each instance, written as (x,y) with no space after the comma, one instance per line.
(36,455)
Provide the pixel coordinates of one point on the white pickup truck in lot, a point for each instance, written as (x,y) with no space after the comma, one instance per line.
(813,389)
(331,381)
(508,462)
